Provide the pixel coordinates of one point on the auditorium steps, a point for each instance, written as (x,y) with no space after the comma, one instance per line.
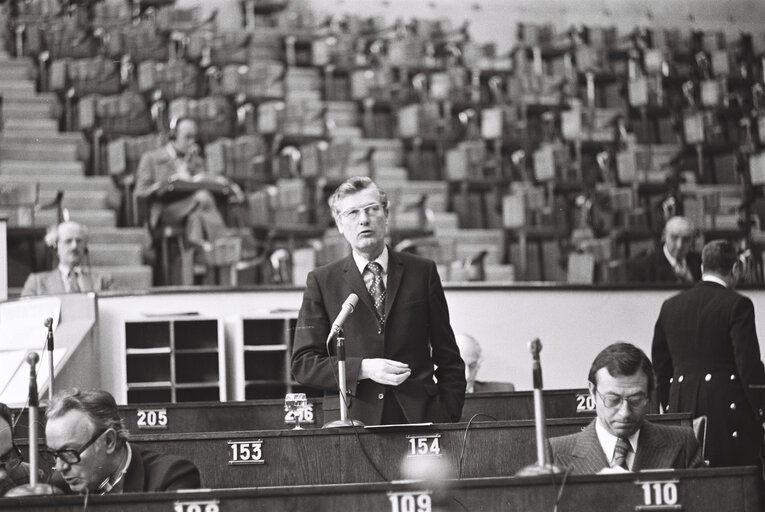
(15,167)
(22,124)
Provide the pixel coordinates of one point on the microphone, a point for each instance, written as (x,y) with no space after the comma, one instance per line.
(348,306)
(49,347)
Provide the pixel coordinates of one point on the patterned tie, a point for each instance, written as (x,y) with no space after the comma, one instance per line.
(621,450)
(682,273)
(377,289)
(74,283)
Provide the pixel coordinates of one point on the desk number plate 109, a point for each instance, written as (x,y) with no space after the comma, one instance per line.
(659,495)
(424,445)
(151,418)
(246,452)
(584,403)
(305,416)
(410,501)
(196,506)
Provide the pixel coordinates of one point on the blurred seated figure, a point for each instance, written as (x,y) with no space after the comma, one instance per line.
(196,210)
(73,275)
(470,351)
(87,441)
(13,470)
(674,262)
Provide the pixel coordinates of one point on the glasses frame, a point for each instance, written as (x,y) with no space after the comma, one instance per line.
(371,210)
(644,399)
(11,459)
(75,454)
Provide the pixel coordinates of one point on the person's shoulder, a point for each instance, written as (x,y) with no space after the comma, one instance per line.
(164,462)
(410,259)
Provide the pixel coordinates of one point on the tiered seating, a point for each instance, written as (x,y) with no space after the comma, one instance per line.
(598,128)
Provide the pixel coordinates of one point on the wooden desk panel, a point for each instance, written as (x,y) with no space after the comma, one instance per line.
(270,415)
(702,490)
(316,456)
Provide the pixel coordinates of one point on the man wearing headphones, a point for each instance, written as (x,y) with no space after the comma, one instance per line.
(70,240)
(179,159)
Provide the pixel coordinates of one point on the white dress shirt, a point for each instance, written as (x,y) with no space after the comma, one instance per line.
(608,443)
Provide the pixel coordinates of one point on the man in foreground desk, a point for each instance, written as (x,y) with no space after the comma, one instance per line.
(621,381)
(87,439)
(398,332)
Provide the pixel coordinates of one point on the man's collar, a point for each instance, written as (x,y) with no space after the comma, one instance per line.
(714,279)
(671,259)
(608,440)
(66,270)
(361,261)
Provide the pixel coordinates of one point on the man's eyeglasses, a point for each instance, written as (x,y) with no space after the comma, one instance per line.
(11,459)
(72,456)
(371,210)
(613,401)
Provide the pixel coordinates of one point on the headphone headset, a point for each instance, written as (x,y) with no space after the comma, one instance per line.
(51,237)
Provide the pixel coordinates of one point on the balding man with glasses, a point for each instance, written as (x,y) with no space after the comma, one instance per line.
(87,441)
(621,383)
(403,364)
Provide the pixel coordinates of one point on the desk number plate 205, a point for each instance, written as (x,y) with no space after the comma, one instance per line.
(246,452)
(151,418)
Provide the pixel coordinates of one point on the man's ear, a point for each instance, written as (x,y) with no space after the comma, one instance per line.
(591,388)
(110,441)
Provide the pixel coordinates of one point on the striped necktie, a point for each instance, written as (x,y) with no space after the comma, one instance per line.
(377,289)
(73,282)
(621,450)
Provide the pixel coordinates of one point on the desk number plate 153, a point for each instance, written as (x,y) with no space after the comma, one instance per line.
(197,506)
(424,444)
(306,416)
(584,403)
(151,418)
(246,452)
(410,501)
(659,495)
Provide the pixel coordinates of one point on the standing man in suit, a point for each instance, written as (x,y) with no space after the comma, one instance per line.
(675,263)
(70,241)
(180,159)
(399,337)
(621,381)
(87,441)
(707,358)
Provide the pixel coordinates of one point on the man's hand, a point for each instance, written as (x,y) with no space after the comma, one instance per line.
(384,371)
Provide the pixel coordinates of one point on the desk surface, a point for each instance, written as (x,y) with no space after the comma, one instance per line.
(270,414)
(701,490)
(330,456)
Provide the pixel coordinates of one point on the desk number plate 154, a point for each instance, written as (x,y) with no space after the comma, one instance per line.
(151,418)
(659,495)
(410,501)
(246,452)
(305,416)
(424,444)
(197,506)
(584,403)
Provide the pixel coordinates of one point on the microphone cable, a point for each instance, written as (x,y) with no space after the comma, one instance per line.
(562,487)
(464,440)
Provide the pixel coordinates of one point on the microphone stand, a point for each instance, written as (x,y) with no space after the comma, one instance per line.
(49,347)
(33,487)
(544,466)
(344,421)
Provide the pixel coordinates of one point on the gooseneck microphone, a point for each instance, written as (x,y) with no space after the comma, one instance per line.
(34,403)
(49,348)
(347,308)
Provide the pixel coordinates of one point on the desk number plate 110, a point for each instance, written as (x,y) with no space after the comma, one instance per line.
(410,501)
(246,452)
(424,445)
(659,495)
(197,506)
(151,418)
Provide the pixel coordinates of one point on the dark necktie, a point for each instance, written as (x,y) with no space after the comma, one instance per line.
(683,273)
(74,284)
(377,289)
(620,453)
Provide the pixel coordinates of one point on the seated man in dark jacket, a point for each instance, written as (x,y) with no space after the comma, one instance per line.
(88,441)
(13,471)
(674,262)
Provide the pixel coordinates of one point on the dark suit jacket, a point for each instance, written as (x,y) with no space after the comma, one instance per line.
(14,478)
(51,283)
(158,166)
(416,332)
(706,355)
(659,447)
(654,267)
(151,472)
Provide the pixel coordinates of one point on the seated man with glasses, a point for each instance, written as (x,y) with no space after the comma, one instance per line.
(621,382)
(87,442)
(13,470)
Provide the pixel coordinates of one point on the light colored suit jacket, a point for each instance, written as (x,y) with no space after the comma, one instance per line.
(51,283)
(659,447)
